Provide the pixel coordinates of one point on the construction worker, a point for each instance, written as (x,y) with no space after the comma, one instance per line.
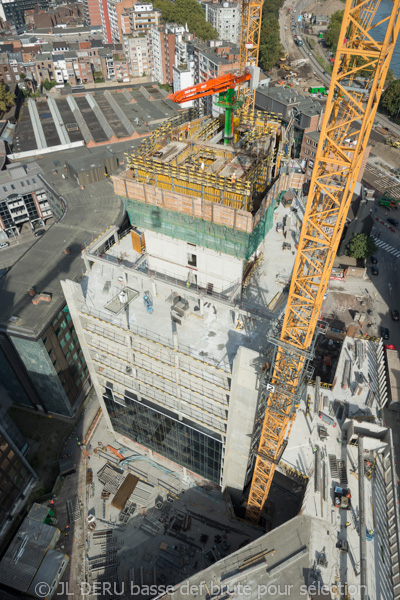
(233,178)
(348,523)
(187,130)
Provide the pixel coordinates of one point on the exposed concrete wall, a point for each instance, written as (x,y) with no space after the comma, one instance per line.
(242,410)
(171,256)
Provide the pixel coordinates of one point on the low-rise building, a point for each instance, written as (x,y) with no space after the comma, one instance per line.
(22,199)
(32,561)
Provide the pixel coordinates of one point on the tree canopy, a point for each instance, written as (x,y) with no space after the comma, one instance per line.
(7,99)
(271,48)
(361,245)
(333,29)
(391,98)
(190,12)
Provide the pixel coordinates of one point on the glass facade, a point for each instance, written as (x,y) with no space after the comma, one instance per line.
(181,441)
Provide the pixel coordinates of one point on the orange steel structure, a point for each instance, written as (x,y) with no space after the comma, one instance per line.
(250,32)
(357,80)
(210,87)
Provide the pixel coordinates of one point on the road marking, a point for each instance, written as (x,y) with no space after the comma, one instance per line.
(387,248)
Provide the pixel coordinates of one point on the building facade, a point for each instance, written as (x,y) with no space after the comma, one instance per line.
(163,44)
(225,18)
(124,17)
(16,478)
(23,198)
(137,51)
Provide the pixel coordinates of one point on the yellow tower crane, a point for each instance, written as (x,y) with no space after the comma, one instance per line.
(250,31)
(357,80)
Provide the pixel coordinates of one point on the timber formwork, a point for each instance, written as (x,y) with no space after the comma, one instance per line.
(183,184)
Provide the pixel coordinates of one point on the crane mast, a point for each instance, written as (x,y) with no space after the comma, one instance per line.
(359,73)
(250,31)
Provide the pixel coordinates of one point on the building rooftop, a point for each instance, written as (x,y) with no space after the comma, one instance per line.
(17,178)
(306,105)
(31,553)
(212,55)
(89,118)
(45,264)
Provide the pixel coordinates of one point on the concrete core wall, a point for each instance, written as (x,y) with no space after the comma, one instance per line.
(242,410)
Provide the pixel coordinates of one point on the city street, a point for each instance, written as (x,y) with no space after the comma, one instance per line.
(304,52)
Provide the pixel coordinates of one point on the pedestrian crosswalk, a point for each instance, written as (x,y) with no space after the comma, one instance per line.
(383,246)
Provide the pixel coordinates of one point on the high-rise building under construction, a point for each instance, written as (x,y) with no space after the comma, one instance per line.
(170,314)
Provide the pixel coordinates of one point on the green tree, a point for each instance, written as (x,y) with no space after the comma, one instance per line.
(187,12)
(391,98)
(333,29)
(7,99)
(271,49)
(361,245)
(22,75)
(49,84)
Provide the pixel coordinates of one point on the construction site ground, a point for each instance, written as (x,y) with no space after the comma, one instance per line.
(149,549)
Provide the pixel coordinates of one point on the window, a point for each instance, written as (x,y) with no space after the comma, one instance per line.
(313,154)
(307,151)
(62,343)
(192,260)
(308,141)
(58,332)
(315,144)
(67,337)
(12,186)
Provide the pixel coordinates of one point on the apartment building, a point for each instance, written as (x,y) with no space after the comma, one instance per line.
(163,42)
(309,148)
(212,59)
(183,70)
(22,199)
(126,17)
(225,17)
(12,13)
(92,12)
(137,51)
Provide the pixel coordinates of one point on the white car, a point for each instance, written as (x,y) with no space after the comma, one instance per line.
(4,245)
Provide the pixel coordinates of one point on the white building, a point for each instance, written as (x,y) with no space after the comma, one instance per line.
(60,68)
(138,54)
(225,18)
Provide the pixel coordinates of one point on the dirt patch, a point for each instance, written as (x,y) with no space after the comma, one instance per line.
(387,155)
(46,437)
(326,8)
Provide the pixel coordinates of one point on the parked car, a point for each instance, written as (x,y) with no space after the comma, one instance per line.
(374,270)
(385,333)
(392,229)
(394,222)
(374,259)
(40,232)
(4,244)
(395,314)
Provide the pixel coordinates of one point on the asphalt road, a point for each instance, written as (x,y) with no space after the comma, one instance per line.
(387,284)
